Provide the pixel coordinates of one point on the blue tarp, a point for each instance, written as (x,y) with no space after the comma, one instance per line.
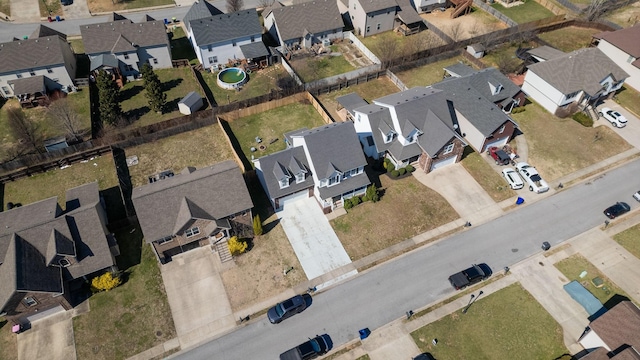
(582,296)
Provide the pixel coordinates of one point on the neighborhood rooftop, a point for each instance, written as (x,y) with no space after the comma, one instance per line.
(122,35)
(199,10)
(308,17)
(31,53)
(225,27)
(546,52)
(627,40)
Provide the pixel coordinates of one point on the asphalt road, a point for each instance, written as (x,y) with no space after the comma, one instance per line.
(386,292)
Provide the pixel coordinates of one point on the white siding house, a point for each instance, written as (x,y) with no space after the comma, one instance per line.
(623,48)
(372,17)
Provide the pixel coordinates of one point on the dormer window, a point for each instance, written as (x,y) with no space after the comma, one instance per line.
(64,263)
(299,177)
(284,183)
(334,180)
(126,56)
(495,88)
(192,232)
(413,135)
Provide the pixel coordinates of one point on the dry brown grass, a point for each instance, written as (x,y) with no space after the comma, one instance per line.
(8,341)
(259,273)
(198,148)
(406,209)
(558,147)
(369,91)
(476,23)
(114,5)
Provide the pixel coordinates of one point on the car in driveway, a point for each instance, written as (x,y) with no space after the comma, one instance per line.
(424,356)
(531,176)
(615,118)
(616,210)
(288,308)
(513,179)
(499,156)
(308,350)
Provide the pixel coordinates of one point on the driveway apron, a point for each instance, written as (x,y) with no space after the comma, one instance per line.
(50,337)
(78,10)
(313,240)
(631,132)
(25,10)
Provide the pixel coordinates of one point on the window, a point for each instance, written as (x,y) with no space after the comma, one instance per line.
(368,28)
(55,80)
(19,76)
(213,59)
(233,42)
(192,232)
(209,47)
(165,240)
(299,177)
(253,38)
(64,263)
(501,129)
(29,301)
(128,68)
(155,61)
(573,94)
(378,27)
(126,56)
(49,71)
(283,183)
(354,6)
(388,138)
(5,90)
(334,180)
(32,73)
(447,149)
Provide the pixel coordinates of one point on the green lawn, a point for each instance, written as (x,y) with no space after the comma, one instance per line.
(505,325)
(199,148)
(371,227)
(574,265)
(558,147)
(177,84)
(402,44)
(132,317)
(630,240)
(630,99)
(319,67)
(77,45)
(529,11)
(369,91)
(491,181)
(428,74)
(570,38)
(272,124)
(260,82)
(181,47)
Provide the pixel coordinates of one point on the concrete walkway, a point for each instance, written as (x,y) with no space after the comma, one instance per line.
(49,338)
(25,11)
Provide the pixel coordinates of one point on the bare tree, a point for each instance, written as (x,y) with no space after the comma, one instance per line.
(387,50)
(24,129)
(265,3)
(474,28)
(234,5)
(506,64)
(455,31)
(65,118)
(596,9)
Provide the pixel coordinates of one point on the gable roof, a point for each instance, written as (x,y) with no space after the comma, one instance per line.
(351,101)
(30,85)
(254,50)
(579,70)
(101,60)
(375,5)
(32,53)
(285,163)
(123,35)
(545,52)
(114,16)
(627,40)
(459,69)
(38,232)
(407,12)
(44,31)
(472,97)
(620,326)
(199,10)
(312,17)
(226,27)
(214,192)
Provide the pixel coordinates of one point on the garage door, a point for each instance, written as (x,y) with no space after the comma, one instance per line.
(293,197)
(445,162)
(497,143)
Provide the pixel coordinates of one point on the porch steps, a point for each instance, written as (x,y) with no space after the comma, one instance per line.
(223,251)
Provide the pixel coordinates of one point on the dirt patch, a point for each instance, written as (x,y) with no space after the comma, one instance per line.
(626,16)
(466,26)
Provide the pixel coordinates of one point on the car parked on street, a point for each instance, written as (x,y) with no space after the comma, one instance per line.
(513,179)
(288,308)
(615,118)
(616,210)
(470,276)
(499,156)
(308,350)
(530,174)
(424,356)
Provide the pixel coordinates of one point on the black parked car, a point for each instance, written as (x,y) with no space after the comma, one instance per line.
(288,308)
(617,209)
(311,349)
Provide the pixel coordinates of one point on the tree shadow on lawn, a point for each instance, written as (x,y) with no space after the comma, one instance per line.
(134,115)
(173,105)
(129,93)
(168,85)
(130,241)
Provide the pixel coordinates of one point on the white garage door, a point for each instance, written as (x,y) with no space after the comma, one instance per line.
(293,197)
(497,143)
(445,162)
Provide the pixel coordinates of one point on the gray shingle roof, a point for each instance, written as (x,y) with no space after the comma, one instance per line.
(309,17)
(275,166)
(30,85)
(627,40)
(217,190)
(199,10)
(254,50)
(546,52)
(101,60)
(407,12)
(471,96)
(582,69)
(32,53)
(345,186)
(375,5)
(191,99)
(459,69)
(619,326)
(122,35)
(44,31)
(226,27)
(351,101)
(39,231)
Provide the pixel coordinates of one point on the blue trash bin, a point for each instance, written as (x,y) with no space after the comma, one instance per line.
(58,18)
(166,21)
(519,200)
(364,333)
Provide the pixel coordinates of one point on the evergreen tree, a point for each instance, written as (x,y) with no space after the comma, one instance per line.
(157,98)
(109,104)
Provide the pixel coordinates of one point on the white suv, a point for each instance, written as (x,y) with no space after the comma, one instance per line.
(615,118)
(530,174)
(512,177)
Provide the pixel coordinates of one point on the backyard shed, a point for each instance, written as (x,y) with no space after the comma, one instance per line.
(190,103)
(477,50)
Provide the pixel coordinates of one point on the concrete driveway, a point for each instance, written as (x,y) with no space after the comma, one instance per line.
(631,132)
(78,10)
(197,297)
(25,11)
(461,191)
(313,240)
(50,337)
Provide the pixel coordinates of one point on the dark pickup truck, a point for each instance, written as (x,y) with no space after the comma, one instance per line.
(470,276)
(311,349)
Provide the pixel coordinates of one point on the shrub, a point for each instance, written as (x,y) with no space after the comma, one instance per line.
(583,119)
(388,165)
(105,282)
(257,226)
(236,247)
(410,169)
(395,173)
(356,200)
(372,193)
(402,171)
(518,110)
(347,204)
